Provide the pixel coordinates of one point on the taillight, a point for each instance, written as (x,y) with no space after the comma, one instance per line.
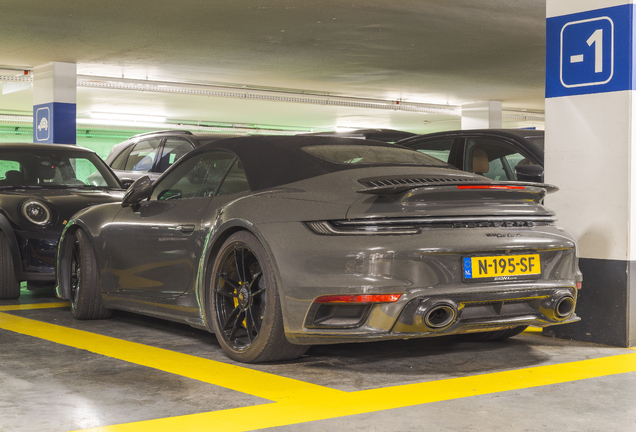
(579,285)
(489,187)
(372,298)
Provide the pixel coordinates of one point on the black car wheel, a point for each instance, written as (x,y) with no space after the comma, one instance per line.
(245,305)
(83,276)
(494,335)
(9,286)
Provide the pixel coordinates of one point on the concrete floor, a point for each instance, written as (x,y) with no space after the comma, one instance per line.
(134,373)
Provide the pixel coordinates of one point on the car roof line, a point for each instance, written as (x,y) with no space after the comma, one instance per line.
(184,132)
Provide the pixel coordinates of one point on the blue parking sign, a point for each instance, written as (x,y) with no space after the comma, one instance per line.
(589,52)
(43,124)
(55,122)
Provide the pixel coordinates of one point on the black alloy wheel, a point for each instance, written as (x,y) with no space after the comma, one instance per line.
(245,304)
(75,272)
(240,296)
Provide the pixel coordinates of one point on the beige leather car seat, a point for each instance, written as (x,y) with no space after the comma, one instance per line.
(480,162)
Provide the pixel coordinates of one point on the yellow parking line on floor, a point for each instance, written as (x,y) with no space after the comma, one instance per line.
(309,408)
(252,382)
(33,306)
(296,401)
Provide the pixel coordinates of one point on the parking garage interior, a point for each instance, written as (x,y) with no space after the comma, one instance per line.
(289,67)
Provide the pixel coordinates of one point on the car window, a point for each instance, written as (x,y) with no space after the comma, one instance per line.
(142,156)
(196,177)
(8,165)
(438,148)
(493,158)
(54,169)
(370,155)
(120,161)
(235,181)
(173,150)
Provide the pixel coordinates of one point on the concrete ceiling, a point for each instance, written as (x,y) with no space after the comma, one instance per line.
(426,52)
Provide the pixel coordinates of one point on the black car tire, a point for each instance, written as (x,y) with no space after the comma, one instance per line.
(9,286)
(494,335)
(245,306)
(83,276)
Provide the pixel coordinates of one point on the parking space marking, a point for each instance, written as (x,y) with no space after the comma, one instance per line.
(242,379)
(294,401)
(309,408)
(33,306)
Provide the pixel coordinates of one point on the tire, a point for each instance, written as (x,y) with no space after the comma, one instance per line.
(494,335)
(245,305)
(9,286)
(83,276)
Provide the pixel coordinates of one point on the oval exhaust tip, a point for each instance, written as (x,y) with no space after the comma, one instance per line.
(564,307)
(439,316)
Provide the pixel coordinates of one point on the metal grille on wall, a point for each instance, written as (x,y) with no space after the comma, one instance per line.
(273,95)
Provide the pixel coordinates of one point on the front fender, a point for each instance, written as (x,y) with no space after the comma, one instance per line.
(94,221)
(63,286)
(220,231)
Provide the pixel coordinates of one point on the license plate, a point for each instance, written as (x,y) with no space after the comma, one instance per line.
(501,266)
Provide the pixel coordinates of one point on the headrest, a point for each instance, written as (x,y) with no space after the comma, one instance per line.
(46,170)
(480,161)
(13,177)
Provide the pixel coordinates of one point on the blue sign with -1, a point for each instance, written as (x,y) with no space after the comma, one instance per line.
(589,52)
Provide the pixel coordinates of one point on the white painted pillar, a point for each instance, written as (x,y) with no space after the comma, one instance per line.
(54,103)
(590,155)
(482,115)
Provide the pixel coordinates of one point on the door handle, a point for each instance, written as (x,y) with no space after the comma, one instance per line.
(185,228)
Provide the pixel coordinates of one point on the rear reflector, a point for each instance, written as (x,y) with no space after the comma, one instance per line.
(490,187)
(377,298)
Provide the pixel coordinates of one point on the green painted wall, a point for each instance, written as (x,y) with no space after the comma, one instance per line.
(99,144)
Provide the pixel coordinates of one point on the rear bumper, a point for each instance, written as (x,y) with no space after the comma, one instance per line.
(437,315)
(426,269)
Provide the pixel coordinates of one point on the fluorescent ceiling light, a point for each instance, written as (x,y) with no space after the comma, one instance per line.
(109,122)
(128,117)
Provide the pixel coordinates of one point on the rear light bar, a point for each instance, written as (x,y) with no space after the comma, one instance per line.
(489,187)
(367,298)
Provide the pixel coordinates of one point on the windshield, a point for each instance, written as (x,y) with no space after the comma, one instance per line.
(54,168)
(372,155)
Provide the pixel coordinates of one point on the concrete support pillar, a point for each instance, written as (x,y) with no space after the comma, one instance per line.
(482,115)
(54,99)
(590,155)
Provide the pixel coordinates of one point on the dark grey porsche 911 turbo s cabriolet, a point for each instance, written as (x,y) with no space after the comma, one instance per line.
(278,243)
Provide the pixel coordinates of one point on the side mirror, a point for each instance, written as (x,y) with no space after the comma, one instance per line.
(529,173)
(137,192)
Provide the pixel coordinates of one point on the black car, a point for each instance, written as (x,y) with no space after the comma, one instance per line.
(41,187)
(499,154)
(154,152)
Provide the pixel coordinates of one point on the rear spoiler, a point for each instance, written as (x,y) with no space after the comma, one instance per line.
(397,186)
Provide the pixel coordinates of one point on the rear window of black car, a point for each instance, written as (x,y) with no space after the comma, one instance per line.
(371,155)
